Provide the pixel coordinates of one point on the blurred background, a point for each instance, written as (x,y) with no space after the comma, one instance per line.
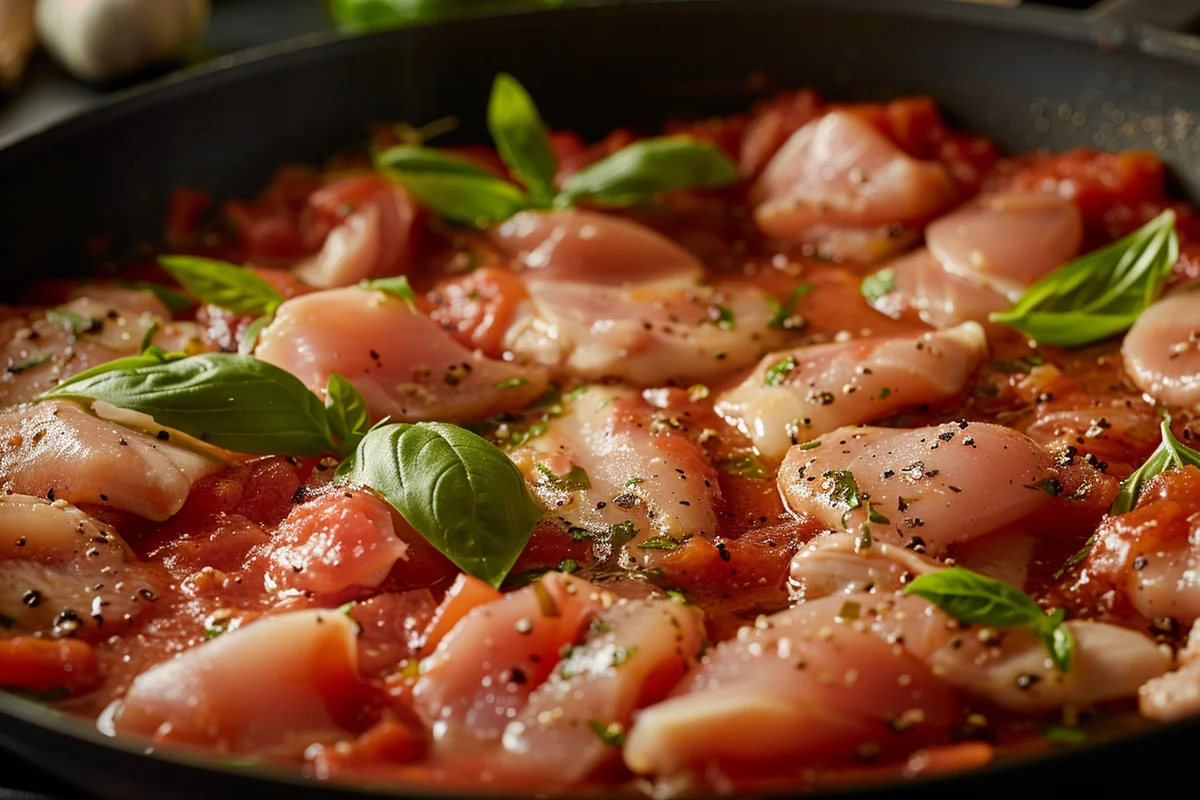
(58,57)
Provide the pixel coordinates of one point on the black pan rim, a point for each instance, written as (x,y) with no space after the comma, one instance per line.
(1062,25)
(1056,23)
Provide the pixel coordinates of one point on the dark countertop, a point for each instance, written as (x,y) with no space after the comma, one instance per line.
(50,95)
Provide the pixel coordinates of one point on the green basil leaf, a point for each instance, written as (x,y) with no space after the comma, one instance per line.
(452,187)
(173,300)
(971,597)
(349,419)
(778,372)
(415,160)
(222,284)
(1171,454)
(232,401)
(575,480)
(456,489)
(648,168)
(397,287)
(364,15)
(1101,293)
(520,137)
(1058,640)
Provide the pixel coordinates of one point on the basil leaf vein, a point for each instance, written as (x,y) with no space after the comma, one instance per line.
(460,492)
(645,169)
(349,418)
(970,597)
(1101,293)
(520,137)
(222,284)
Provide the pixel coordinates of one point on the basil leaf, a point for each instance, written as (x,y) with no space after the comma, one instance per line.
(648,168)
(1171,454)
(222,284)
(232,401)
(397,287)
(520,137)
(456,489)
(970,597)
(451,187)
(1101,293)
(349,419)
(173,300)
(361,15)
(413,160)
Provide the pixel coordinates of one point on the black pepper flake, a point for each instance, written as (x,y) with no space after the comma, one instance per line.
(31,598)
(299,495)
(147,595)
(723,552)
(1140,563)
(50,495)
(916,544)
(21,542)
(163,436)
(946,436)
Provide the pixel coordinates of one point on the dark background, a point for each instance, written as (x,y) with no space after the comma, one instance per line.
(49,95)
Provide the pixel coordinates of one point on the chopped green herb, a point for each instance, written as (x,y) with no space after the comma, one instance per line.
(622,654)
(512,383)
(813,445)
(659,543)
(634,481)
(28,363)
(746,465)
(1061,733)
(612,734)
(396,287)
(783,315)
(575,480)
(75,323)
(778,372)
(878,284)
(722,317)
(568,565)
(622,532)
(1078,558)
(884,393)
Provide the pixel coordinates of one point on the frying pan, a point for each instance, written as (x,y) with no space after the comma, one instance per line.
(1027,78)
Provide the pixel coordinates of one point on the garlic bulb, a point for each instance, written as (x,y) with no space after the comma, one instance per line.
(17,39)
(99,40)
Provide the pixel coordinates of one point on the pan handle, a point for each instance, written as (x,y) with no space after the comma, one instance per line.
(1170,15)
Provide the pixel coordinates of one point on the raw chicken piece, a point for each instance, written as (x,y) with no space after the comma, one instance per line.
(838,563)
(59,450)
(980,258)
(1150,556)
(942,299)
(404,364)
(840,184)
(1162,351)
(99,324)
(371,239)
(608,297)
(795,396)
(644,481)
(1007,242)
(641,648)
(483,671)
(806,686)
(271,688)
(594,248)
(63,572)
(944,484)
(649,334)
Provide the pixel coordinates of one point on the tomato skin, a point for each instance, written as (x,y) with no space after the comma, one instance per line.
(271,230)
(478,307)
(43,665)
